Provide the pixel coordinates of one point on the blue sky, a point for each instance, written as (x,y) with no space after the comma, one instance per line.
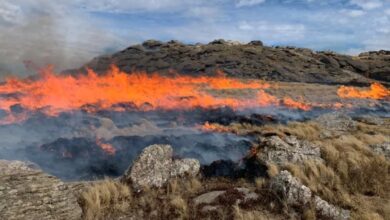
(69,33)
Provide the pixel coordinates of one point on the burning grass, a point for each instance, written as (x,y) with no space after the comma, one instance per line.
(52,94)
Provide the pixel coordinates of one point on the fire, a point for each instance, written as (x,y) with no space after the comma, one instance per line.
(376,91)
(108,148)
(53,93)
(296,104)
(212,127)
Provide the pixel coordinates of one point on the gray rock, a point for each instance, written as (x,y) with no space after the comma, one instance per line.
(28,193)
(211,197)
(382,149)
(329,60)
(256,43)
(155,166)
(295,193)
(248,194)
(329,211)
(336,123)
(208,198)
(218,41)
(210,208)
(288,150)
(291,189)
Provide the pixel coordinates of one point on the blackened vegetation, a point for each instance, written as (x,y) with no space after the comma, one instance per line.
(248,168)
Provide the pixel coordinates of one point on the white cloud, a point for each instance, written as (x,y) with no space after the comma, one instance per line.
(367,4)
(353,13)
(273,31)
(137,6)
(242,3)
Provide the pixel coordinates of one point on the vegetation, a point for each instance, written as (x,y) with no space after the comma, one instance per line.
(352,177)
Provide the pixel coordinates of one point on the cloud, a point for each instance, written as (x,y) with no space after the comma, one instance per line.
(242,3)
(353,13)
(274,31)
(367,4)
(130,6)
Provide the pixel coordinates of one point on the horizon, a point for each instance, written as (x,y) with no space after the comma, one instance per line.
(68,34)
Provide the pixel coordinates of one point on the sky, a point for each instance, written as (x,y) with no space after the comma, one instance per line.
(66,34)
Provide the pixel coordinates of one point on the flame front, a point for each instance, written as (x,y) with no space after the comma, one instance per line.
(62,93)
(53,93)
(376,91)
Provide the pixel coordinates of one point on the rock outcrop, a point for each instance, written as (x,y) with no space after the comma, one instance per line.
(336,124)
(296,194)
(287,150)
(28,193)
(382,149)
(252,60)
(155,166)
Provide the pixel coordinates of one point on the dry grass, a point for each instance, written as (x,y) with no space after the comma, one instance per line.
(104,198)
(352,177)
(351,172)
(109,199)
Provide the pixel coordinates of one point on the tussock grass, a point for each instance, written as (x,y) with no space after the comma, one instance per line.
(351,172)
(105,197)
(352,176)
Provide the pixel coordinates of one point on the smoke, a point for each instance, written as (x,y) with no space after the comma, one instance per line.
(40,33)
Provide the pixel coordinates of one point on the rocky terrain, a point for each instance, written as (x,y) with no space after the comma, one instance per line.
(331,167)
(321,163)
(252,60)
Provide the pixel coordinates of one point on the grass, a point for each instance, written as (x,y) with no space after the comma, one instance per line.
(104,198)
(352,177)
(352,172)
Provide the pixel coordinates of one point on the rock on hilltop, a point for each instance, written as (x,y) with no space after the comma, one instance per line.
(252,60)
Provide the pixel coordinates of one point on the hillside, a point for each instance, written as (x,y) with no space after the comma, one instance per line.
(252,60)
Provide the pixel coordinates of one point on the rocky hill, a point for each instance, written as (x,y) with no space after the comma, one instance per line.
(252,60)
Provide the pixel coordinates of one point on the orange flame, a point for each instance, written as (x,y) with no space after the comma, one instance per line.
(212,127)
(296,104)
(108,148)
(53,93)
(376,91)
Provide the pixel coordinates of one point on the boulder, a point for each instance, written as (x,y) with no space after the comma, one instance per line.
(237,195)
(256,43)
(291,190)
(335,124)
(329,211)
(287,150)
(208,198)
(382,149)
(26,192)
(155,166)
